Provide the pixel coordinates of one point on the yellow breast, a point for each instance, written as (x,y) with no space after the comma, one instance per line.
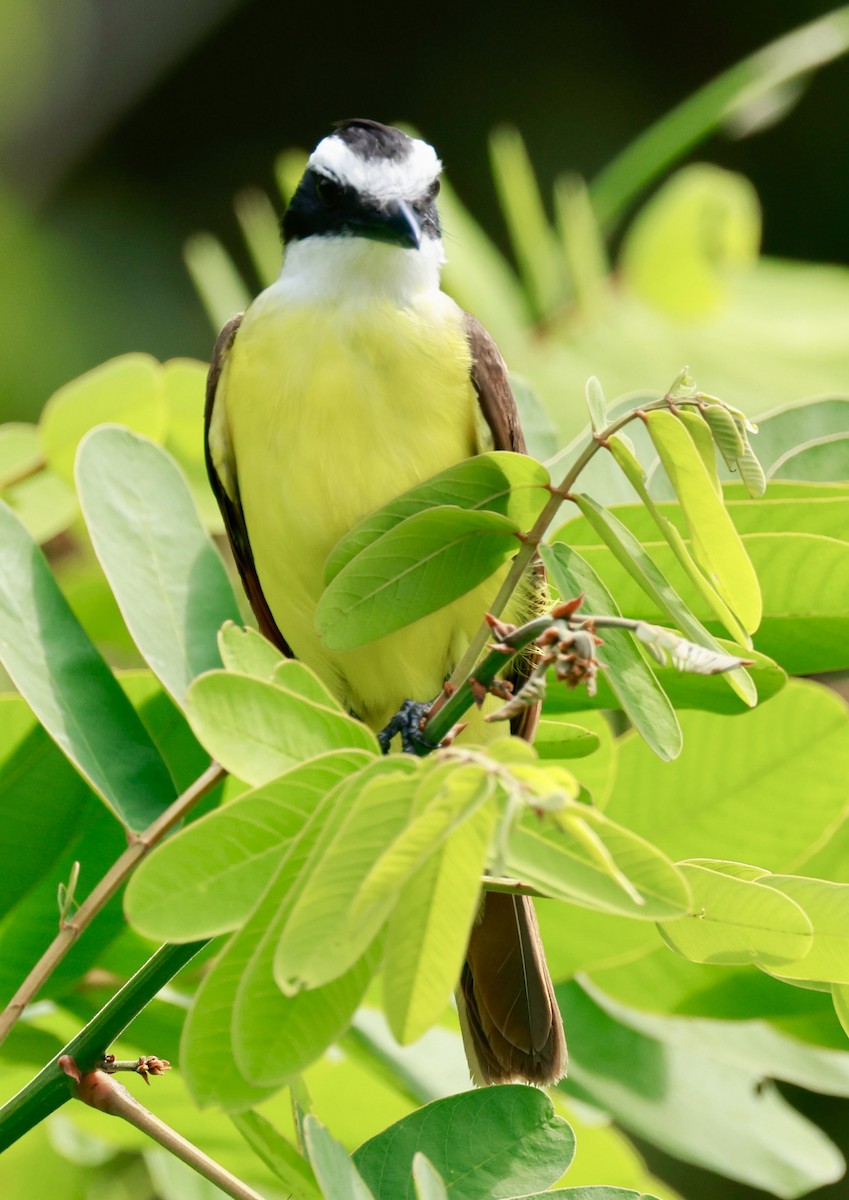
(332,412)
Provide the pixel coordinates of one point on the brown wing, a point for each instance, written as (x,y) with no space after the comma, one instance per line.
(227,495)
(495,396)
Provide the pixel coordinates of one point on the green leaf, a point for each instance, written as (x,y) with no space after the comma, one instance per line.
(43,503)
(71,689)
(92,837)
(43,801)
(534,241)
(278,1153)
(275,1036)
(827,516)
(725,432)
(257,731)
(428,1181)
(737,921)
(783,430)
(716,544)
(264,1037)
(300,680)
(690,241)
(461,790)
(559,739)
(762,1047)
(703,441)
(477,275)
(636,476)
(637,562)
(840,997)
(753,81)
(260,228)
(596,404)
(206,1055)
(322,936)
(582,242)
(557,861)
(819,461)
(627,670)
(219,285)
(804,579)
(429,928)
(167,576)
(337,1175)
(206,879)
(827,907)
(20,452)
(128,390)
(511,484)
(594,1193)
(688,1099)
(247,652)
(419,566)
(736,791)
(486,1145)
(540,435)
(752,473)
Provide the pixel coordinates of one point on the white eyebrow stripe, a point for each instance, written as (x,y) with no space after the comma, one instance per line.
(380,178)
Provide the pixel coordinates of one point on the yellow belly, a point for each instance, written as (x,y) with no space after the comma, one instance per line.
(331,415)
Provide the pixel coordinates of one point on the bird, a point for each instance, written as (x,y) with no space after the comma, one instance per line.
(350,379)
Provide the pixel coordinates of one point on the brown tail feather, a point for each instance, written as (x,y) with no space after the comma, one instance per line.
(511,1024)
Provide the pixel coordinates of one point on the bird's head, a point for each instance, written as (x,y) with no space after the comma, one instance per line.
(368,181)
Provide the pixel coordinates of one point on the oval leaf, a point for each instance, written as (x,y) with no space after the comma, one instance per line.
(70,688)
(514,485)
(561,865)
(737,921)
(129,390)
(419,566)
(826,905)
(168,578)
(257,731)
(498,1141)
(205,879)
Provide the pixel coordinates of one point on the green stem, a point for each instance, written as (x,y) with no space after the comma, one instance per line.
(50,1087)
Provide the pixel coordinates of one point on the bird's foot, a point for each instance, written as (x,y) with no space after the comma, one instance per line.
(408,722)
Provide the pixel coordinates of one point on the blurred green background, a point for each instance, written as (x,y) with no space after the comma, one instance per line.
(125,127)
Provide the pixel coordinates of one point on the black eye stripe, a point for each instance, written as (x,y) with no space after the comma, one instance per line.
(327,190)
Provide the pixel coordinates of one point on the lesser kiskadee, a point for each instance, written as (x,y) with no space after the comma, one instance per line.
(346,382)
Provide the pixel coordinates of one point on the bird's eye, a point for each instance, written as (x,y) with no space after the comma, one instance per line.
(434,189)
(327,190)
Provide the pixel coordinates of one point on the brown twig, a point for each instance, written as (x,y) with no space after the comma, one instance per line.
(107,1095)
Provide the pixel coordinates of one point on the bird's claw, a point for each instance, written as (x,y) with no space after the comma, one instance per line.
(408,722)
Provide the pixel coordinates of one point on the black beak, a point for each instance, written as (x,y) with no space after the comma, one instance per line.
(393,222)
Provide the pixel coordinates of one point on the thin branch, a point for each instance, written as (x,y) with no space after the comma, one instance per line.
(107,1095)
(103,892)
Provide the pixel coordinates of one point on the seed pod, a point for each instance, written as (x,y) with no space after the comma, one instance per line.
(751,472)
(723,427)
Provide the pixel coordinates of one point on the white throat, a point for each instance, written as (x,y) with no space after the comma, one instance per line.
(356,270)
